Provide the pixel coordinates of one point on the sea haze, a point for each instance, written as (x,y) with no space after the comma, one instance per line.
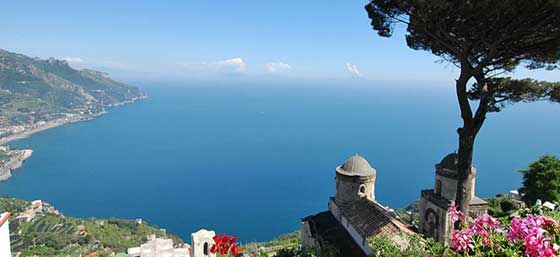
(253,160)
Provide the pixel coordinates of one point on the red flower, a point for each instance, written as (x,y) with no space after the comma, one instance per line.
(235,250)
(225,245)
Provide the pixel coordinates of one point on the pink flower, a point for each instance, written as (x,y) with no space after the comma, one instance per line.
(520,229)
(460,240)
(483,225)
(515,230)
(454,214)
(534,235)
(539,246)
(532,231)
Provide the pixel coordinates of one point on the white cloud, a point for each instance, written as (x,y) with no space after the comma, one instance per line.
(277,67)
(352,68)
(232,66)
(73,59)
(237,65)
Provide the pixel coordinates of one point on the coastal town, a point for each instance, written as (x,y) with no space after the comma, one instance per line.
(10,133)
(16,132)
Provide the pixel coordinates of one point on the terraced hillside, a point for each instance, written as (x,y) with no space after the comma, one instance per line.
(39,229)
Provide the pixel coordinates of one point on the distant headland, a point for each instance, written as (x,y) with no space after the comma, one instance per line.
(10,160)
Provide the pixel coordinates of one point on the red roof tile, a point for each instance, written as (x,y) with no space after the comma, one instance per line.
(4,217)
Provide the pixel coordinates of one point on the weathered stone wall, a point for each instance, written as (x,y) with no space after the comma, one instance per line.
(476,211)
(448,187)
(307,239)
(333,208)
(434,221)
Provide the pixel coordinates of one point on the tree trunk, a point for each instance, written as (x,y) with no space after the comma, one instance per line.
(465,170)
(466,142)
(467,135)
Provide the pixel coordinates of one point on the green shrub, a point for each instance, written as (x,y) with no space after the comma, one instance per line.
(542,180)
(383,247)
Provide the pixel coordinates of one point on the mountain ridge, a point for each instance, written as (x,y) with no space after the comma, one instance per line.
(34,90)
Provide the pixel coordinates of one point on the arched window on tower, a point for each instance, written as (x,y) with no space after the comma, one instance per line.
(362,190)
(205,249)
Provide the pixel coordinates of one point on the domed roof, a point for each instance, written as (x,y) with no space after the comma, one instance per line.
(449,162)
(356,166)
(448,165)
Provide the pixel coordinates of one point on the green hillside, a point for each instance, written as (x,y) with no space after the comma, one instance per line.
(33,89)
(50,233)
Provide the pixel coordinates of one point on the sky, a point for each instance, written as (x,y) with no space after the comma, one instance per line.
(228,40)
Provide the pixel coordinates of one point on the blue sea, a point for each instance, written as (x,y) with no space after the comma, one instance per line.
(252,160)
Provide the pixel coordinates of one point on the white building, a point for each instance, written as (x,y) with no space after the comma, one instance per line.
(5,235)
(514,195)
(202,241)
(159,247)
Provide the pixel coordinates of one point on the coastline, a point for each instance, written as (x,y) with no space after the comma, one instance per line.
(63,121)
(48,125)
(17,161)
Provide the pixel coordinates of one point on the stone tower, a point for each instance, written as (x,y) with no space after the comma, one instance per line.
(434,203)
(355,179)
(447,177)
